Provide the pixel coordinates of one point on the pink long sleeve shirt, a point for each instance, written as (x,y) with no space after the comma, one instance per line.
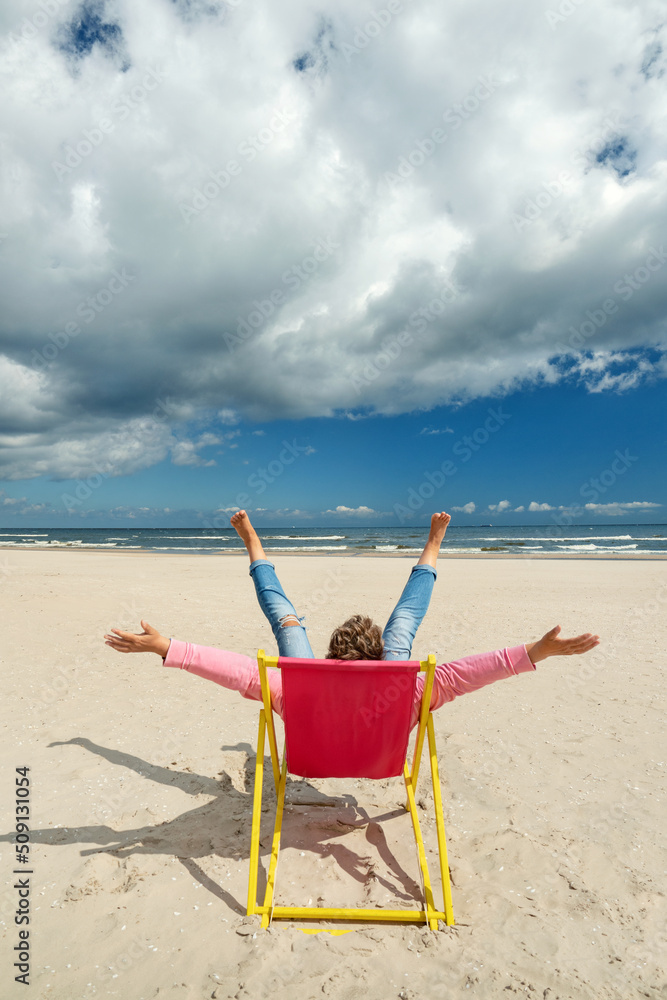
(241,673)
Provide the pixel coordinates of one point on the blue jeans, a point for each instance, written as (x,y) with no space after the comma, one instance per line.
(399,632)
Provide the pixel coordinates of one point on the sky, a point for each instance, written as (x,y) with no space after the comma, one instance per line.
(334,263)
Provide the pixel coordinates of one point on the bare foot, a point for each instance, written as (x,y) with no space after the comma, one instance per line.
(439,524)
(244,529)
(241,524)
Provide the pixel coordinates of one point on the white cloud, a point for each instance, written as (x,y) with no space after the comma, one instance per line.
(207,439)
(80,447)
(184,453)
(533,506)
(519,510)
(352,511)
(597,370)
(228,416)
(468,508)
(436,430)
(11,501)
(617,509)
(308,247)
(501,506)
(621,382)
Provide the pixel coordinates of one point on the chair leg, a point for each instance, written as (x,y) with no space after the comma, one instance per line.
(440,826)
(256,816)
(275,847)
(429,906)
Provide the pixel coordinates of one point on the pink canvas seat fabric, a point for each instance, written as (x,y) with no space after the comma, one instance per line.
(347,719)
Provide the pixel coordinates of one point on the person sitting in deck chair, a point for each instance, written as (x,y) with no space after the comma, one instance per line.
(358,638)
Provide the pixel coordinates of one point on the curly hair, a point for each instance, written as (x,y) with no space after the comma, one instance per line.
(356,639)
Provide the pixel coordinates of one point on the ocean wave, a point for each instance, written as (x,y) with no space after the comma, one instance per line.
(80,544)
(579,548)
(97,545)
(647,552)
(307,548)
(403,550)
(313,545)
(35,543)
(569,538)
(233,537)
(76,543)
(201,538)
(455,551)
(596,548)
(194,548)
(304,538)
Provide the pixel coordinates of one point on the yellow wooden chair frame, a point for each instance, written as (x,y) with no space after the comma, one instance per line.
(267,910)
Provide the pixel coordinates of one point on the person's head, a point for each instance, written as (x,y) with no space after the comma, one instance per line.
(356,639)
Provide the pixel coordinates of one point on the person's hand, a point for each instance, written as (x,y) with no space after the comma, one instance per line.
(148,641)
(552,645)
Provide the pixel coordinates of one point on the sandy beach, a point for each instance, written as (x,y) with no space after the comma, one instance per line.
(141,788)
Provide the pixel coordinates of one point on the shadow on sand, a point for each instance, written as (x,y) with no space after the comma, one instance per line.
(221,826)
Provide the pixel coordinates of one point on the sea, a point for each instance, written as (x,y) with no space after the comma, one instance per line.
(618,539)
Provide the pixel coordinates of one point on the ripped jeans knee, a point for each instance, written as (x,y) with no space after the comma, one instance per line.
(287,627)
(290,634)
(288,621)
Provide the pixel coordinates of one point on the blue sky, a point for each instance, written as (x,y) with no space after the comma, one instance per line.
(558,446)
(425,254)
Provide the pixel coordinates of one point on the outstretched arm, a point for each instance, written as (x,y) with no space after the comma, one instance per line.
(148,641)
(552,645)
(471,673)
(231,670)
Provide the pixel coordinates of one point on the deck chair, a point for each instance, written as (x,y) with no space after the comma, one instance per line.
(347,719)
